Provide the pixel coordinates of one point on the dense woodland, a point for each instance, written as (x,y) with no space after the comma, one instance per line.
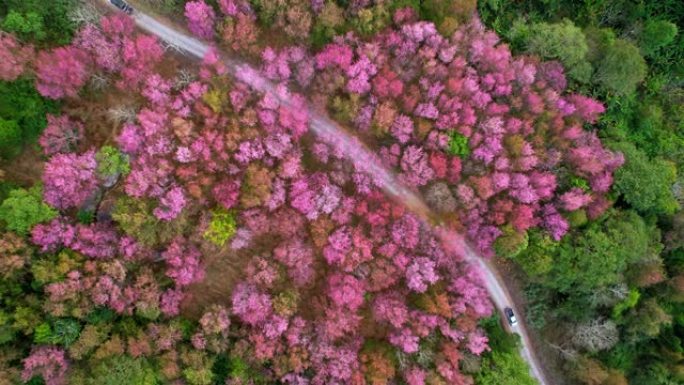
(162,222)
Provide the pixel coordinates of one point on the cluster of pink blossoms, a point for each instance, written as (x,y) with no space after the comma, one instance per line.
(421,92)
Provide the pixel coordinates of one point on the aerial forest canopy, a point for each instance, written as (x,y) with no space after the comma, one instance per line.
(166,219)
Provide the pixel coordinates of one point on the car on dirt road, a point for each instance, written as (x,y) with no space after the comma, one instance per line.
(510,316)
(122,5)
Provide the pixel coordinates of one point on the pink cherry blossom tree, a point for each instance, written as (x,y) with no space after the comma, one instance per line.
(15,57)
(70,179)
(201,18)
(62,71)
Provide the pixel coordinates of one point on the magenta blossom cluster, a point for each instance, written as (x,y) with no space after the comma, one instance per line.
(464,111)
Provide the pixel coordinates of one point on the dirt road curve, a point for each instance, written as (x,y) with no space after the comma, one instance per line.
(364,160)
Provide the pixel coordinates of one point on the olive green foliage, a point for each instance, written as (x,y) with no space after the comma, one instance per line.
(511,242)
(621,68)
(221,228)
(646,184)
(655,35)
(447,14)
(44,22)
(458,145)
(23,209)
(562,41)
(537,259)
(598,256)
(22,115)
(119,370)
(135,217)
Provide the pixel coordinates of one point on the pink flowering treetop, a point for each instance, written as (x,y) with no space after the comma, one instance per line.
(15,57)
(60,135)
(47,362)
(201,18)
(171,204)
(69,179)
(345,291)
(252,306)
(62,72)
(183,262)
(140,55)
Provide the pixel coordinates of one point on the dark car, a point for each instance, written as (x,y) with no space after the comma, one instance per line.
(508,312)
(122,5)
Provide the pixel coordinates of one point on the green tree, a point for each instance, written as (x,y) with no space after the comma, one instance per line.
(655,35)
(458,145)
(537,259)
(111,163)
(63,331)
(598,256)
(562,41)
(621,68)
(511,242)
(119,370)
(10,138)
(41,21)
(135,218)
(221,228)
(24,209)
(27,26)
(646,184)
(22,115)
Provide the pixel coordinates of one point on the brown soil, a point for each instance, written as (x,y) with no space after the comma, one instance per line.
(224,268)
(26,169)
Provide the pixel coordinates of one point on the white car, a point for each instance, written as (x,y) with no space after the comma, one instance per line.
(122,5)
(510,316)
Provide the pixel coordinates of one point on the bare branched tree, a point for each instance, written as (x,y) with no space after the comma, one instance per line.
(84,13)
(99,82)
(596,335)
(183,78)
(609,296)
(121,114)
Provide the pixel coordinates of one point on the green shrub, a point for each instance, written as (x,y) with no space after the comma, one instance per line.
(511,242)
(621,68)
(221,228)
(655,35)
(24,209)
(119,370)
(646,184)
(458,145)
(22,115)
(562,41)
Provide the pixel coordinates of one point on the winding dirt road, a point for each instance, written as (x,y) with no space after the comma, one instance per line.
(364,160)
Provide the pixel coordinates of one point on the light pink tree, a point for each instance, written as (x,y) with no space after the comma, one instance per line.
(252,306)
(60,135)
(201,18)
(171,204)
(47,362)
(70,179)
(62,71)
(140,55)
(14,56)
(183,261)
